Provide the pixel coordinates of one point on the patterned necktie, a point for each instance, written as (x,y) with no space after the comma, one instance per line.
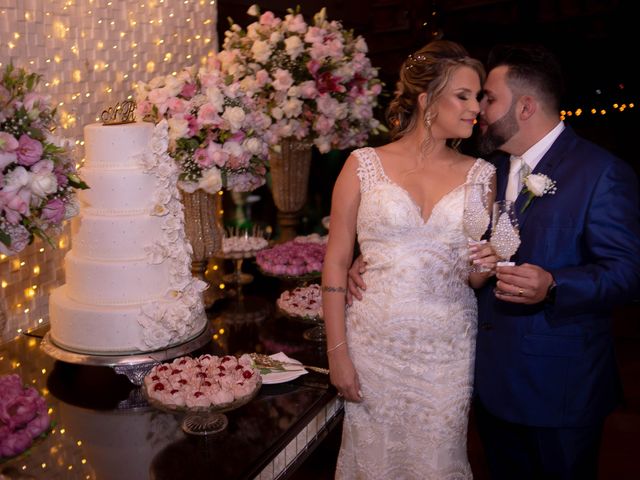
(517,172)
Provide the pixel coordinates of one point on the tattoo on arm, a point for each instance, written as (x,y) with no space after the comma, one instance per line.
(334,289)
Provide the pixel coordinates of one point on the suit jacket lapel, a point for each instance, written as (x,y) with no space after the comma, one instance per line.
(502,174)
(546,166)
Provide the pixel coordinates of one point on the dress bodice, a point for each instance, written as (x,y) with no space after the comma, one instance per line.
(393,235)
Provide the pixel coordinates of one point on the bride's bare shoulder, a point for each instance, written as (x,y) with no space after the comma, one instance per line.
(467,159)
(391,150)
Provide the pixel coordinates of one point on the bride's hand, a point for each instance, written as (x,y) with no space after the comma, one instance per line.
(355,283)
(482,255)
(343,375)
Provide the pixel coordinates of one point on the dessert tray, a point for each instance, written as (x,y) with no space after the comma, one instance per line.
(202,388)
(304,304)
(292,260)
(239,245)
(302,278)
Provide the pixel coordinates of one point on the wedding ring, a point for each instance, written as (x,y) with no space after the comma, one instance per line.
(520,292)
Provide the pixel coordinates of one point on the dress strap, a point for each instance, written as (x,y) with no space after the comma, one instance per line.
(481,172)
(370,170)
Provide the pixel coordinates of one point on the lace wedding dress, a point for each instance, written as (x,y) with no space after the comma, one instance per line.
(412,337)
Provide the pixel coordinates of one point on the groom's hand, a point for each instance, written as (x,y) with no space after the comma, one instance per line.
(355,283)
(524,283)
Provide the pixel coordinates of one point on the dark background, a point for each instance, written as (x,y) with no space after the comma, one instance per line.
(594,40)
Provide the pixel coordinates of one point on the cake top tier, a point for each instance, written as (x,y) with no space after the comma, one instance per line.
(109,146)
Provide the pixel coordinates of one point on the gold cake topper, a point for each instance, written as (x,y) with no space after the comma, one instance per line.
(121,112)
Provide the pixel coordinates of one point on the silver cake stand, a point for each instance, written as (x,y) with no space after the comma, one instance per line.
(133,366)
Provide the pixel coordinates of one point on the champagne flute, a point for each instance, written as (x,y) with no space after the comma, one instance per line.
(505,234)
(475,217)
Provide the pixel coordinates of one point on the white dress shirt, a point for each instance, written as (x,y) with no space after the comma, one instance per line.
(521,166)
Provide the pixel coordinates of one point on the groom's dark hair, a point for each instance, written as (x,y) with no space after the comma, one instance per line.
(531,67)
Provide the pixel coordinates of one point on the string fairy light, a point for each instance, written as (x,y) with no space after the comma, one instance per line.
(89,56)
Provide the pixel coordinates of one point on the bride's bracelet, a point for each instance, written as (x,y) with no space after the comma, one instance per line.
(335,347)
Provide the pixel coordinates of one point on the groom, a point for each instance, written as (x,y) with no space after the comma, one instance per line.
(545,369)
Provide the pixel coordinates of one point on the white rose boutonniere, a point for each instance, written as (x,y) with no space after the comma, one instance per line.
(537,185)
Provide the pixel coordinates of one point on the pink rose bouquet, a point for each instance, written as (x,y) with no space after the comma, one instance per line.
(37,172)
(23,416)
(314,81)
(216,132)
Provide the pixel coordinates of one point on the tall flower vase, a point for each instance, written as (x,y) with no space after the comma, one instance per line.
(204,231)
(289,181)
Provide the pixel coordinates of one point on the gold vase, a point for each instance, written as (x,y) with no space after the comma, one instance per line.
(203,228)
(289,181)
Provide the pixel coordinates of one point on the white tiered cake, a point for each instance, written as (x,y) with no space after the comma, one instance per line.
(129,285)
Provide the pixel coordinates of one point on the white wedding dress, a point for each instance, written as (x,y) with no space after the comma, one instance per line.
(412,337)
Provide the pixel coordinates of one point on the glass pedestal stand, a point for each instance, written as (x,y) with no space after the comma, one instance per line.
(206,420)
(317,333)
(237,277)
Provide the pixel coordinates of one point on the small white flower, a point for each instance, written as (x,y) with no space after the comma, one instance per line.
(253,145)
(277,113)
(211,181)
(188,187)
(254,10)
(292,108)
(537,185)
(294,46)
(275,37)
(178,128)
(261,51)
(235,116)
(43,184)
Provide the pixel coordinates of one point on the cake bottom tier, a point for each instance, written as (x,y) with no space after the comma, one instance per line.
(108,330)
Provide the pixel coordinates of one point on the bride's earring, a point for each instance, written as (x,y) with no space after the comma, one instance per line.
(428,119)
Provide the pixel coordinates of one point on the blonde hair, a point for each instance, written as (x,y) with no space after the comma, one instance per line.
(426,71)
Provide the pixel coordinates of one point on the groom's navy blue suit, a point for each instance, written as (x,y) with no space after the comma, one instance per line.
(553,365)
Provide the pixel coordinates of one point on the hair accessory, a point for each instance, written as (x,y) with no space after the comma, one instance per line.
(413,60)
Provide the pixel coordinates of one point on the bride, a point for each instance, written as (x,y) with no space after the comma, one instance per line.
(402,356)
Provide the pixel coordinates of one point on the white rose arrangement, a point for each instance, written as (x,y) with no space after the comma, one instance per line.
(537,185)
(38,176)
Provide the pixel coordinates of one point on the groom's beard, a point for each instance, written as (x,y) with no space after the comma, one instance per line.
(498,133)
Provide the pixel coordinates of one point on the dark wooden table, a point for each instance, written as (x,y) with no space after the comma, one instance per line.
(104,429)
